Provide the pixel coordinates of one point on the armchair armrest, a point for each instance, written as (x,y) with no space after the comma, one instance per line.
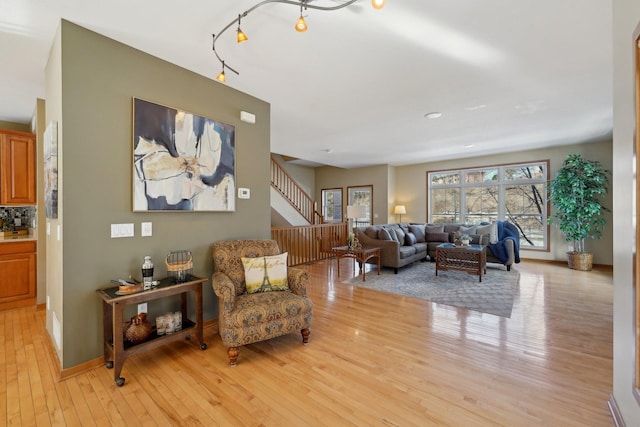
(224,289)
(298,280)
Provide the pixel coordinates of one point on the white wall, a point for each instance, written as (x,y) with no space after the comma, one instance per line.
(626,18)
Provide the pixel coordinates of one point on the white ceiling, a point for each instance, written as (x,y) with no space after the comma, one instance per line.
(506,75)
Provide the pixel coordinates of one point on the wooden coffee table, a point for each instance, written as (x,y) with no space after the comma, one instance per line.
(362,255)
(471,258)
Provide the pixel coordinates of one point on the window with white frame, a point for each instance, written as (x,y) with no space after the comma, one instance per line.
(515,193)
(332,204)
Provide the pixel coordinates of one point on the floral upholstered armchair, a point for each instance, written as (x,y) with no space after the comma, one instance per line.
(270,306)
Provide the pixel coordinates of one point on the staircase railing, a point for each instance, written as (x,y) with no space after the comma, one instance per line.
(294,194)
(308,243)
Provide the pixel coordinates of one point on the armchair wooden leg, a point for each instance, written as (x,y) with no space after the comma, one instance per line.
(305,335)
(233,355)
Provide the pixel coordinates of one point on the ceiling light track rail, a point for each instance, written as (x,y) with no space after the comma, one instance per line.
(300,25)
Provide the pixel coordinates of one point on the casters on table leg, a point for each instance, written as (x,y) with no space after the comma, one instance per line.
(188,338)
(119,381)
(203,346)
(109,364)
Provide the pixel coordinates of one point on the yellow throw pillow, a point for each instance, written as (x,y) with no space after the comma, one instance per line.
(266,274)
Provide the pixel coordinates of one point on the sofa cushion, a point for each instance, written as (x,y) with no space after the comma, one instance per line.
(437,237)
(418,231)
(434,228)
(410,239)
(399,235)
(383,234)
(407,251)
(272,268)
(420,247)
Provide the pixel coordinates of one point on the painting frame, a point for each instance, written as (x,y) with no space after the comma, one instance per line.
(181,161)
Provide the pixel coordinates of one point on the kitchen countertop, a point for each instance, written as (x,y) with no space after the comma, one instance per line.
(31,236)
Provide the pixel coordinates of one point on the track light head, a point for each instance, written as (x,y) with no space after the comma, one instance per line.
(242,37)
(221,77)
(301,26)
(378,4)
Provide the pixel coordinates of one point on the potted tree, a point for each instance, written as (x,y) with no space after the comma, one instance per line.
(577,193)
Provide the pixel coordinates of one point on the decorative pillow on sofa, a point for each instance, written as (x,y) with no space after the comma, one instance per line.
(434,228)
(371,232)
(479,239)
(418,231)
(410,239)
(266,273)
(399,235)
(383,234)
(437,237)
(490,229)
(467,230)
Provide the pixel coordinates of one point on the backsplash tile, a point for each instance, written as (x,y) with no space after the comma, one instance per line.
(26,215)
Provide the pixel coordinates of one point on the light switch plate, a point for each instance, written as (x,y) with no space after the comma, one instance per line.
(146,229)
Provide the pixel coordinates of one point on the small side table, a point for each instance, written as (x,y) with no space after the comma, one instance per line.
(361,255)
(116,350)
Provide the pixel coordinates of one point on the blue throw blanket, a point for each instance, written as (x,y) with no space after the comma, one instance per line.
(506,231)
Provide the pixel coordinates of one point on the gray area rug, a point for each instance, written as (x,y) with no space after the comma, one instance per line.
(494,295)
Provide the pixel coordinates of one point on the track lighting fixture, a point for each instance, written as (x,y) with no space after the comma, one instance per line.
(301,25)
(242,37)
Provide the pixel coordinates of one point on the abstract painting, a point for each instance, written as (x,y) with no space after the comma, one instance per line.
(51,171)
(181,161)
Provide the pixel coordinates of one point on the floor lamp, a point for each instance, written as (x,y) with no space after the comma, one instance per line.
(400,210)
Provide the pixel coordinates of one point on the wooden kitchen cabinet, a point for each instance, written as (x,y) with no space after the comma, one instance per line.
(17,168)
(17,274)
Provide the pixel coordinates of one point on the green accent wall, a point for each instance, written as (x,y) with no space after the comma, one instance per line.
(91,82)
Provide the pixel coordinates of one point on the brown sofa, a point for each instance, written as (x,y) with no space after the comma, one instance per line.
(404,243)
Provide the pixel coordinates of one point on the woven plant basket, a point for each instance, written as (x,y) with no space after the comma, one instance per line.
(582,261)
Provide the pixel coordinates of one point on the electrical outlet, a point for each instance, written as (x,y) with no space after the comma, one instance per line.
(142,308)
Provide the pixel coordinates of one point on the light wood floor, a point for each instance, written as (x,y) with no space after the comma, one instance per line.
(373,360)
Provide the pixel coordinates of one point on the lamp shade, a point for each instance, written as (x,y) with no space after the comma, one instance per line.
(355,211)
(400,210)
(301,25)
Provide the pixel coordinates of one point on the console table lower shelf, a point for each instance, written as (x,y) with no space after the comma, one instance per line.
(117,350)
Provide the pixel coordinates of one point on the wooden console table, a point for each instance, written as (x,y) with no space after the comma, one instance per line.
(470,258)
(361,255)
(116,350)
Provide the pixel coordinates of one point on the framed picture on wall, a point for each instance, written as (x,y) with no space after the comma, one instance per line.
(51,170)
(181,161)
